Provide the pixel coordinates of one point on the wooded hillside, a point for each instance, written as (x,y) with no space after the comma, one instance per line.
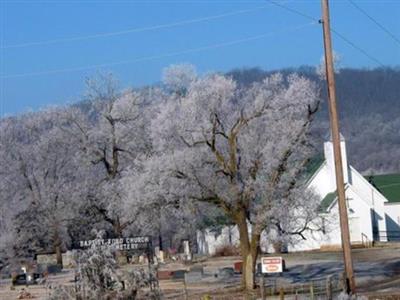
(369,107)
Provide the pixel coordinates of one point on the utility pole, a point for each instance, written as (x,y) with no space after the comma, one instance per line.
(334,122)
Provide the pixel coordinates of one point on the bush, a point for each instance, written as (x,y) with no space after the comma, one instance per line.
(227,250)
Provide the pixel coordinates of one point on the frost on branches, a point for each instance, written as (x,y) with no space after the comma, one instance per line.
(98,277)
(242,150)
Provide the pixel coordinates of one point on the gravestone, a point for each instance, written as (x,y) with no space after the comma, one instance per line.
(226,273)
(161,258)
(197,269)
(121,258)
(51,269)
(46,259)
(186,250)
(193,276)
(142,259)
(164,274)
(258,268)
(68,259)
(178,274)
(238,266)
(20,279)
(157,252)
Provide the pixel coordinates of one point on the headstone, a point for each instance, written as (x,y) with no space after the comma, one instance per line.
(20,279)
(238,266)
(46,259)
(68,259)
(161,258)
(51,269)
(157,252)
(193,276)
(198,268)
(121,258)
(178,274)
(226,272)
(186,250)
(141,259)
(259,268)
(164,274)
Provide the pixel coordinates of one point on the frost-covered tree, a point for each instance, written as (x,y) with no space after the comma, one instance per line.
(99,277)
(239,149)
(113,139)
(41,179)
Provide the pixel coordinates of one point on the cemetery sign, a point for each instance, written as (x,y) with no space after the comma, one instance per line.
(128,244)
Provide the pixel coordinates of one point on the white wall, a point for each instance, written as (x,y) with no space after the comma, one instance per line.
(320,183)
(317,239)
(392,212)
(371,196)
(330,160)
(209,241)
(360,214)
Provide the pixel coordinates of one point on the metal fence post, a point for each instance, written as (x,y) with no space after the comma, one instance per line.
(329,288)
(262,287)
(312,290)
(281,294)
(186,291)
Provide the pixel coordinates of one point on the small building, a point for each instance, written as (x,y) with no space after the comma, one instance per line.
(373,205)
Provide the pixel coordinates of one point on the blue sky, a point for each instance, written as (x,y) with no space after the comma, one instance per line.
(233,34)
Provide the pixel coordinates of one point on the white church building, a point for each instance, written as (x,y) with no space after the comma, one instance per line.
(373,205)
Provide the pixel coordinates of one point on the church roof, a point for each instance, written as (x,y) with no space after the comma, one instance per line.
(328,200)
(313,165)
(388,185)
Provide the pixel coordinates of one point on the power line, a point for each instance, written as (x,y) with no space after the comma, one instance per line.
(341,36)
(375,21)
(133,30)
(171,54)
(292,10)
(361,50)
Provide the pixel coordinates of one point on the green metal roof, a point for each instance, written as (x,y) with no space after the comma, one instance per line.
(327,201)
(313,165)
(388,185)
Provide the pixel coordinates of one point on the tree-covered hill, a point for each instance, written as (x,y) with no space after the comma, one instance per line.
(369,108)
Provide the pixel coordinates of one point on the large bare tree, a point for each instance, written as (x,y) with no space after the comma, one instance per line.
(242,150)
(43,181)
(112,137)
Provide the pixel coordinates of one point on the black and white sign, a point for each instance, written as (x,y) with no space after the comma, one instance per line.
(129,243)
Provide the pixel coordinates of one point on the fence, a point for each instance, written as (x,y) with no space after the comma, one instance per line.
(388,236)
(324,288)
(269,288)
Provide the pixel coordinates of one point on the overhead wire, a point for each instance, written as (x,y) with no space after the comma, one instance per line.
(387,31)
(341,36)
(361,50)
(171,54)
(133,30)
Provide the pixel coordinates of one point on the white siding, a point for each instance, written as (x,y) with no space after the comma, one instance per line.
(371,196)
(209,241)
(392,211)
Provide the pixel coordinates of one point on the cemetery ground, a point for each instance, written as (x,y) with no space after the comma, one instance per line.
(377,274)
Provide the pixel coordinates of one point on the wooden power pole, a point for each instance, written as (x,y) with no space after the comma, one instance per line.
(334,121)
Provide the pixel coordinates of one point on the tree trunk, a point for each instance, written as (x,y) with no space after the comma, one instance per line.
(59,255)
(249,251)
(117,228)
(57,248)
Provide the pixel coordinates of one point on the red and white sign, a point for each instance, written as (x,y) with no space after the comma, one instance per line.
(271,264)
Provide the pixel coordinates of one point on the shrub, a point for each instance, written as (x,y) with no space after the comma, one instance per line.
(227,250)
